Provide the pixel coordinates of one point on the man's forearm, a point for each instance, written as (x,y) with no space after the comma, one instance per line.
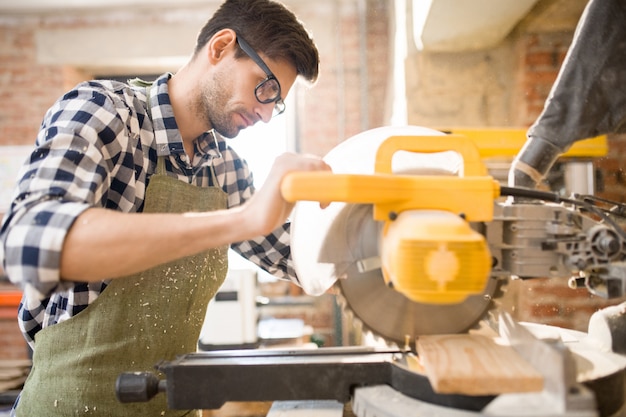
(104,244)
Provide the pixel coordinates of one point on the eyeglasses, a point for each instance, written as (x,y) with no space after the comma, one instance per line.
(268,90)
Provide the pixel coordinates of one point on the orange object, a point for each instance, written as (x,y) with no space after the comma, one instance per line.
(9,301)
(10,298)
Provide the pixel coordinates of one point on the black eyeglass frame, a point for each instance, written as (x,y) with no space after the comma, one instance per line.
(279,104)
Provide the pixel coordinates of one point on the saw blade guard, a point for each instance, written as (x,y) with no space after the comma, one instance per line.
(397,170)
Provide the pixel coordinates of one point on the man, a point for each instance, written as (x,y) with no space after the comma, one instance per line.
(120,222)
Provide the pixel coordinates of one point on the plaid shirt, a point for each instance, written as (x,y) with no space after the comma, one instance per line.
(98,147)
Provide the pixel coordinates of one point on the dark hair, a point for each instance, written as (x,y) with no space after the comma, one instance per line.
(270,28)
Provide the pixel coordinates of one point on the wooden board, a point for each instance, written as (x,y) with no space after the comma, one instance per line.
(13,373)
(475,365)
(12,384)
(15,363)
(240,409)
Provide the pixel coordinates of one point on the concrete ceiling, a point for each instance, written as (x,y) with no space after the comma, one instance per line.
(555,15)
(459,25)
(462,25)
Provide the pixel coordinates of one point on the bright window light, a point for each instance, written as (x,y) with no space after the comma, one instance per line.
(260,144)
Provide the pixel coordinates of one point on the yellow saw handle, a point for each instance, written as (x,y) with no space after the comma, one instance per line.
(396,193)
(472,164)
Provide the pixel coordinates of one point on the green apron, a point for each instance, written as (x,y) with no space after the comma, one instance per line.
(135,323)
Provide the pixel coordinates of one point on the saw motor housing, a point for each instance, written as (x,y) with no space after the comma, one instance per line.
(434,257)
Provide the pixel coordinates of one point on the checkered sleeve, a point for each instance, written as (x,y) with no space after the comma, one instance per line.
(64,175)
(272,252)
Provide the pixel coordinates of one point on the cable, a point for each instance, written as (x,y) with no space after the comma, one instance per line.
(584,202)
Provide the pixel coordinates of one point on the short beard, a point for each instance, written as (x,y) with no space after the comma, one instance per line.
(210,107)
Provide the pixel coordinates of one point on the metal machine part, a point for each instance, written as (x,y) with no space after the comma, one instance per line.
(526,240)
(277,375)
(575,239)
(384,401)
(607,329)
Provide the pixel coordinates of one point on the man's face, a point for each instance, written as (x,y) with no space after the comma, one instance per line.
(227,99)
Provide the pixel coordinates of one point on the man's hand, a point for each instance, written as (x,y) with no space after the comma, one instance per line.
(268,209)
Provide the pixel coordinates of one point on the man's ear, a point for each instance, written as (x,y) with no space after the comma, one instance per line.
(220,44)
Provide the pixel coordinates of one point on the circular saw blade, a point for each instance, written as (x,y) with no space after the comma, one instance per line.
(392,316)
(384,311)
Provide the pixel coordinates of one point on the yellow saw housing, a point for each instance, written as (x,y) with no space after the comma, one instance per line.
(434,257)
(429,252)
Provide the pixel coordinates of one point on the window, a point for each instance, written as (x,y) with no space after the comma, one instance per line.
(260,144)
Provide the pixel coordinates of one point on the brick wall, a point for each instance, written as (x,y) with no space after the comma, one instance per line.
(336,108)
(550,301)
(26,88)
(543,54)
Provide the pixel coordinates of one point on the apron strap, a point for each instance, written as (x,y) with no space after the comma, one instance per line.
(138,82)
(160,169)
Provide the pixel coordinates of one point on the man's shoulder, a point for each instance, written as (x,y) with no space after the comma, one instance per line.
(94,96)
(114,90)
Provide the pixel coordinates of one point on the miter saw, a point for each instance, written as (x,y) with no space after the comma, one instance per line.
(423,246)
(420,240)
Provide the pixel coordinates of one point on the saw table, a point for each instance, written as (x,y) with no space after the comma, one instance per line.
(390,382)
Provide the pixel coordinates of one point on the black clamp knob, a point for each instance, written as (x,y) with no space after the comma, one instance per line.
(134,387)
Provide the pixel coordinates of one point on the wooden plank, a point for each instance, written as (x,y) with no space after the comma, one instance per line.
(12,384)
(10,374)
(475,365)
(15,363)
(240,409)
